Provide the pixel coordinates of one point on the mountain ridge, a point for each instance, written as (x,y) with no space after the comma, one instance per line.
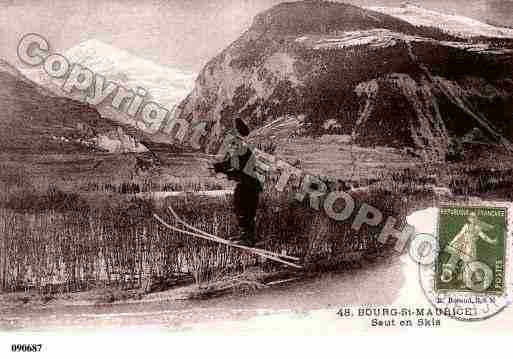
(35,120)
(295,60)
(457,25)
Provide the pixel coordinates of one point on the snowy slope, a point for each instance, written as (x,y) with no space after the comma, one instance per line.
(381,38)
(166,86)
(453,24)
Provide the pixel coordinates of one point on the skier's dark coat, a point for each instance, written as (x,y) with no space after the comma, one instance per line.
(246,194)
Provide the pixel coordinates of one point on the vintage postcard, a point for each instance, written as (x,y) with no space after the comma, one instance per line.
(253,167)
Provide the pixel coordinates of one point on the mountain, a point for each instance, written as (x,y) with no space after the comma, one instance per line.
(313,68)
(7,68)
(35,121)
(499,12)
(165,86)
(453,24)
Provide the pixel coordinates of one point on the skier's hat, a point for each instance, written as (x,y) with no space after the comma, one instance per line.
(241,127)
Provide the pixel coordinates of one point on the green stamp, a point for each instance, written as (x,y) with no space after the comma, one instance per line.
(471,254)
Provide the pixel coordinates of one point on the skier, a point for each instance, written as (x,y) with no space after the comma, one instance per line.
(232,162)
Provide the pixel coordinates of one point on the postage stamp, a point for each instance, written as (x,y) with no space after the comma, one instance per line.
(472,249)
(469,278)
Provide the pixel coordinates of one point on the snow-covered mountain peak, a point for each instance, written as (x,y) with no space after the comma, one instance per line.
(167,85)
(452,24)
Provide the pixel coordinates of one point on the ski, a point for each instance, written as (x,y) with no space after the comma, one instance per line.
(258,245)
(213,238)
(185,224)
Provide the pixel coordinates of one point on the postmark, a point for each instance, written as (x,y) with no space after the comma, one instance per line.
(470,278)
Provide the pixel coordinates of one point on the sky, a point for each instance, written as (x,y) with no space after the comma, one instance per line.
(183,34)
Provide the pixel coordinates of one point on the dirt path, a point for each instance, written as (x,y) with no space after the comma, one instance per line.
(307,306)
(378,284)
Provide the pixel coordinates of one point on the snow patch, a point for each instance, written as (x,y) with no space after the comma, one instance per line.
(374,38)
(119,142)
(331,124)
(381,38)
(452,24)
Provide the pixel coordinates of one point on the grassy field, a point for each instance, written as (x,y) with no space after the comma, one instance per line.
(65,231)
(69,244)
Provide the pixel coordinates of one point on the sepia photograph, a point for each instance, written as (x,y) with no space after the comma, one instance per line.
(255,167)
